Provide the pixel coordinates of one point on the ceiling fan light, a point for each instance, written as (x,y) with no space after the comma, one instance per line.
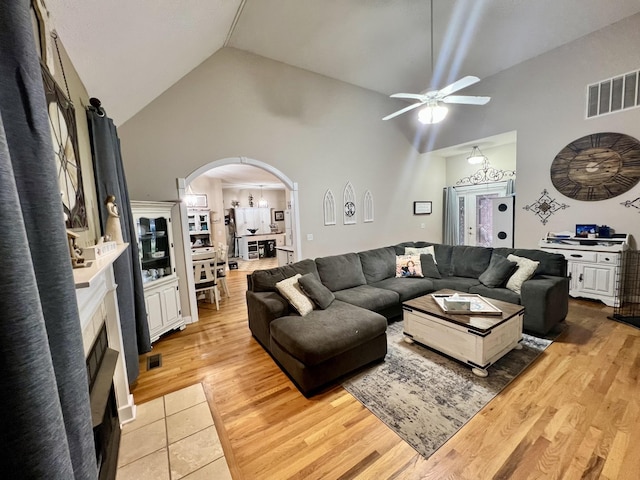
(432,114)
(476,156)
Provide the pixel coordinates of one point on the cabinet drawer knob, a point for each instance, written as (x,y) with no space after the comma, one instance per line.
(576,255)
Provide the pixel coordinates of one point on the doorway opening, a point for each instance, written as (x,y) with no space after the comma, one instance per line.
(253,199)
(475,213)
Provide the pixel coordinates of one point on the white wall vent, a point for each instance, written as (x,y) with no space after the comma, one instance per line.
(613,94)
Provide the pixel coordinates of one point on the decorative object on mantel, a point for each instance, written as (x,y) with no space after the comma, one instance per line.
(632,203)
(545,206)
(349,197)
(422,208)
(597,167)
(113,229)
(251,200)
(100,249)
(278,215)
(77,261)
(329,208)
(235,203)
(64,134)
(486,174)
(367,210)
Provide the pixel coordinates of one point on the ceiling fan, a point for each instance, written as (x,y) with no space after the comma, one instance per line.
(434,112)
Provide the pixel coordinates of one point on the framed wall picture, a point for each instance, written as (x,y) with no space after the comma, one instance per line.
(278,215)
(421,208)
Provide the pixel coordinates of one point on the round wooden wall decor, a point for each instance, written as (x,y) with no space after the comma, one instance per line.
(597,166)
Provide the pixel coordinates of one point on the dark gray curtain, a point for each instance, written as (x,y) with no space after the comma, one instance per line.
(110,180)
(45,418)
(450,231)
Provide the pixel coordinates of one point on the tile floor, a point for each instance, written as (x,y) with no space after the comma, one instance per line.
(172,437)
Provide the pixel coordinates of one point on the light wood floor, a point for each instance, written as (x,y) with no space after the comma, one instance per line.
(572,414)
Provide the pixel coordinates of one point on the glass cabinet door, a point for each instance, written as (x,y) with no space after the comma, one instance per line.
(153,246)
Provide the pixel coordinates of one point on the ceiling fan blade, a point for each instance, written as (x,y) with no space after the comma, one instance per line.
(416,96)
(468,100)
(400,112)
(458,85)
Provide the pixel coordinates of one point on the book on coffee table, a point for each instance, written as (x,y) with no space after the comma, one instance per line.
(465,303)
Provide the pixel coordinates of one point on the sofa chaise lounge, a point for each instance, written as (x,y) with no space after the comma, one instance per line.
(350,331)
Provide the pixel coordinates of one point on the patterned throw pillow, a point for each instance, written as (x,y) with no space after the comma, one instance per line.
(421,251)
(289,288)
(526,269)
(408,266)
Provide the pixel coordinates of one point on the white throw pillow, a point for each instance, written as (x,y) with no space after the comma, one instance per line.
(421,251)
(526,269)
(290,289)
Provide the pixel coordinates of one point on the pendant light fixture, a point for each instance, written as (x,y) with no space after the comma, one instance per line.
(262,202)
(476,156)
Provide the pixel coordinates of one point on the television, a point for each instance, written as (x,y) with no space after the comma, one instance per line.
(584,229)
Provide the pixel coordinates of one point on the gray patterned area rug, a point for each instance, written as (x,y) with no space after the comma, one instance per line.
(426,397)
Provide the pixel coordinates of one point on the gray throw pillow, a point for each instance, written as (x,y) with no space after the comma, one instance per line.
(429,267)
(498,272)
(316,291)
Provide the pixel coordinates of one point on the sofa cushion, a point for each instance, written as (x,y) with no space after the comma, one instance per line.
(498,271)
(503,294)
(378,264)
(469,261)
(338,272)
(429,267)
(407,288)
(400,247)
(371,298)
(443,259)
(265,280)
(461,284)
(323,334)
(526,269)
(408,266)
(290,289)
(316,291)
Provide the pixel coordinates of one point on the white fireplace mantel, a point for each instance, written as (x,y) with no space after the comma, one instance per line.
(97,304)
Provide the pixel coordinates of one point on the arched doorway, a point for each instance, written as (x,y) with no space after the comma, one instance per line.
(182,184)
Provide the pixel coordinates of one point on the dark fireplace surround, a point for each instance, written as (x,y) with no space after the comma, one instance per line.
(101,364)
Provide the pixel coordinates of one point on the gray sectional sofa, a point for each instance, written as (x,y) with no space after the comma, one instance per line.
(351,331)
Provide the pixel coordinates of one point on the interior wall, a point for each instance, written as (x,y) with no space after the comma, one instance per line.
(320,132)
(544,100)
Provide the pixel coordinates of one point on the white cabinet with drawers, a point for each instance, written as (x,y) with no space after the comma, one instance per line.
(594,265)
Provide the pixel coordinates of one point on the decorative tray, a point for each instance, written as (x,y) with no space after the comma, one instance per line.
(477,304)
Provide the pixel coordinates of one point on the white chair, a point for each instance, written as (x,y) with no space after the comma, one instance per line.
(205,279)
(223,267)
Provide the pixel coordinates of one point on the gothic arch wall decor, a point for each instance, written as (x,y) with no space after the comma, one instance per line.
(545,206)
(329,208)
(367,208)
(349,197)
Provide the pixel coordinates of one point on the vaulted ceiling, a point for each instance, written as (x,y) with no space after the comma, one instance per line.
(129,52)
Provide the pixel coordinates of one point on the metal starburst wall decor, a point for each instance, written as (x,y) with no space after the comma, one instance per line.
(545,206)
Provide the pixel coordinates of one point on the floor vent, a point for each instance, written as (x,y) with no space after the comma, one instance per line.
(154,361)
(613,94)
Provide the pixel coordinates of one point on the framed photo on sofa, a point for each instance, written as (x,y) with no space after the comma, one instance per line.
(421,208)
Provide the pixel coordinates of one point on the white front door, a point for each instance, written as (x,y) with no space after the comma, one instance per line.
(475,213)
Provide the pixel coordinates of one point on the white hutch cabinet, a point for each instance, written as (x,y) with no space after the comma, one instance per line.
(157,261)
(594,265)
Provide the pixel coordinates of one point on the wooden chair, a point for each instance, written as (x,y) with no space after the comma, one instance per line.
(223,267)
(205,278)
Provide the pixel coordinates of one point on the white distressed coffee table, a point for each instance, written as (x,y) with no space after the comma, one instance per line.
(479,341)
